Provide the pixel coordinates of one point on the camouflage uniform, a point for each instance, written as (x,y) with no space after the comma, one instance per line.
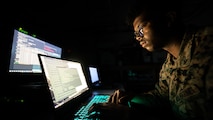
(187,81)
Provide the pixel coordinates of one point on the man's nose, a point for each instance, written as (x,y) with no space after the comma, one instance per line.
(138,38)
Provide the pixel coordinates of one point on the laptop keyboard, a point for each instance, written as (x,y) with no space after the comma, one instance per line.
(82,113)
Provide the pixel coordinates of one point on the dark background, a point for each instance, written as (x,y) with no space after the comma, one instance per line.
(93,32)
(90,31)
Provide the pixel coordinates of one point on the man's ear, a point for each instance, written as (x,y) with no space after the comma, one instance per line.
(171,16)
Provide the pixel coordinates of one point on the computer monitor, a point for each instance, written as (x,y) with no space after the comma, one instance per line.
(24,52)
(94,75)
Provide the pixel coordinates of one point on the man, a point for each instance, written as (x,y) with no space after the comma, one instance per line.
(185,87)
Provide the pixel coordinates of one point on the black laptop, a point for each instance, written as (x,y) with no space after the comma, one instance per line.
(69,89)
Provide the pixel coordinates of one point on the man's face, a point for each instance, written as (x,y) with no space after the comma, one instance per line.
(149,37)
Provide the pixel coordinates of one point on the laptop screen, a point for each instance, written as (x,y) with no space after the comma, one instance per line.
(65,79)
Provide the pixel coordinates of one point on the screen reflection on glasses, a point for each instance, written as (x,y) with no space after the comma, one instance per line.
(139,33)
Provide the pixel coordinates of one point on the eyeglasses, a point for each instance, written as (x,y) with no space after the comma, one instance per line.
(139,33)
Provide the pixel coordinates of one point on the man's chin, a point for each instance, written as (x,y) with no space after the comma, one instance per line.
(149,49)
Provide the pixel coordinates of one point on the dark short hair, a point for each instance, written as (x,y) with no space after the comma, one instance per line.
(151,8)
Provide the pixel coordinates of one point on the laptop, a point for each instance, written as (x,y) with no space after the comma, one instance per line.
(69,89)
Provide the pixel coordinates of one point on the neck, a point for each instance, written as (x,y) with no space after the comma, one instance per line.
(173,48)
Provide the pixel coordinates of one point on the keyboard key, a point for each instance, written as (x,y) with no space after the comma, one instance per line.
(83,111)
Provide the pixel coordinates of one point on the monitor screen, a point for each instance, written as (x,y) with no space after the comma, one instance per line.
(25,47)
(93,71)
(65,79)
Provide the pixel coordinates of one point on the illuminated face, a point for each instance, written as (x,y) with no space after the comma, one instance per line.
(148,36)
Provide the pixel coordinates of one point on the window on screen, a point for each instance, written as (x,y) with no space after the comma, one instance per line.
(24,52)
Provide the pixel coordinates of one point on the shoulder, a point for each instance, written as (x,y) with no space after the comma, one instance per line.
(201,34)
(207,31)
(205,35)
(200,30)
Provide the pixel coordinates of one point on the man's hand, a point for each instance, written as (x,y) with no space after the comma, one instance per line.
(111,111)
(120,97)
(116,108)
